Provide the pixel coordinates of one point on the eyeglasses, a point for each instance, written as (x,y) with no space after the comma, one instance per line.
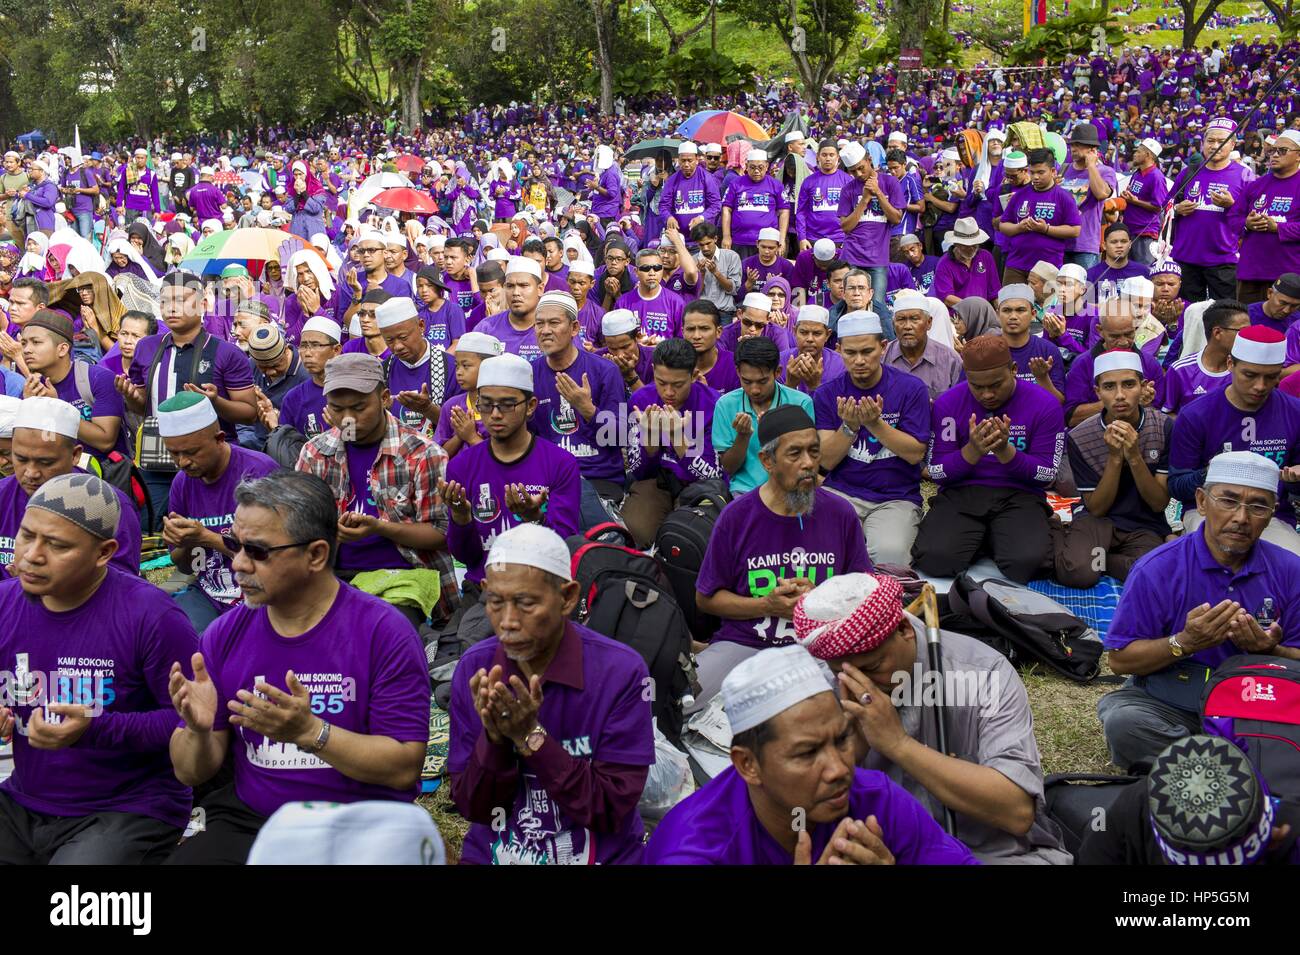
(505,406)
(256,551)
(370,250)
(649,268)
(1231,504)
(303,346)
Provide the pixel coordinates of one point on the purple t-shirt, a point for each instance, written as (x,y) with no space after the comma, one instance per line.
(1266,255)
(372,552)
(366,672)
(1105,279)
(686,199)
(558,421)
(304,408)
(730,336)
(391,284)
(1076,183)
(1038,347)
(660,316)
(753,549)
(461,292)
(818,211)
(1037,433)
(402,377)
(814,282)
(978,280)
(868,243)
(870,471)
(754,206)
(1188,380)
(723,377)
(543,467)
(832,368)
(213,506)
(1150,186)
(106,403)
(1055,206)
(717,825)
(445,432)
(521,343)
(1206,237)
(13,504)
(115,651)
(221,364)
(780,267)
(605,717)
(444,326)
(701,461)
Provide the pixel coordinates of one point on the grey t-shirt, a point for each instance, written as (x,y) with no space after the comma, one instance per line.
(729,265)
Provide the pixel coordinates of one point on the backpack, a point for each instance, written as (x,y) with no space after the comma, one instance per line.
(1073,801)
(1024,626)
(116,468)
(625,595)
(1253,701)
(680,544)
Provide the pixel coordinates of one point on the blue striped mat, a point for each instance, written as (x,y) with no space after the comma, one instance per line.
(1095,606)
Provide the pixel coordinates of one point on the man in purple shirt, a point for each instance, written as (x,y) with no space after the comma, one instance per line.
(870,204)
(755,318)
(1145,199)
(137,190)
(817,213)
(702,327)
(753,202)
(1117,333)
(1197,375)
(914,352)
(420,376)
(995,448)
(966,270)
(810,362)
(372,275)
(1036,359)
(1268,220)
(514,327)
(607,188)
(1091,182)
(204,197)
(315,690)
(690,195)
(1040,220)
(552,733)
(1205,244)
(1187,606)
(1116,265)
(658,309)
(92,646)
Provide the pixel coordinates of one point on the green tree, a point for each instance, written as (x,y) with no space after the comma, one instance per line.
(817,33)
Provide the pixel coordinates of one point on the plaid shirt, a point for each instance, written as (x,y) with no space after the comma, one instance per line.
(403,482)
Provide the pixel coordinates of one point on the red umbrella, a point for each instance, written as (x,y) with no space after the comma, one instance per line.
(406,200)
(409,162)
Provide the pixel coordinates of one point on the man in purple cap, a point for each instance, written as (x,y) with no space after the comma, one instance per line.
(1205,243)
(1269,218)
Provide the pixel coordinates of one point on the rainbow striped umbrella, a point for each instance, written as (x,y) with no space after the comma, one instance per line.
(715,125)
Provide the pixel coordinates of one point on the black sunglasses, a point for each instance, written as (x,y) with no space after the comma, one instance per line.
(256,551)
(649,268)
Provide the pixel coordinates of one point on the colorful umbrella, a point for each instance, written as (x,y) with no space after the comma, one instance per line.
(406,200)
(715,125)
(409,163)
(241,247)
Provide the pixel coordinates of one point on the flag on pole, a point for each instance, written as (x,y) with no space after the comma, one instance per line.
(1028,16)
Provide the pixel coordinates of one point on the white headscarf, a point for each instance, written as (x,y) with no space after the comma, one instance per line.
(574,241)
(326,248)
(35,261)
(603,160)
(119,243)
(941,329)
(312,261)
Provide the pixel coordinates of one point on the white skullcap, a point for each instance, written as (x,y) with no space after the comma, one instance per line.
(519,263)
(205,170)
(950,154)
(1291,134)
(852,154)
(506,371)
(1115,361)
(498,255)
(396,310)
(394,239)
(618,321)
(861,322)
(563,299)
(1016,290)
(48,414)
(909,300)
(759,301)
(326,326)
(8,413)
(371,832)
(824,250)
(713,149)
(1074,271)
(769,235)
(813,313)
(794,136)
(688,149)
(897,136)
(372,235)
(214,224)
(531,545)
(769,683)
(478,343)
(582,267)
(438,241)
(1015,160)
(1260,345)
(1245,468)
(194,416)
(999,134)
(1137,286)
(1151,146)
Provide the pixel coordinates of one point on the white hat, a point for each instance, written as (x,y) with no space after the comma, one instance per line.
(194,416)
(713,149)
(951,155)
(519,263)
(1291,134)
(498,255)
(1259,345)
(794,136)
(396,310)
(1015,160)
(9,406)
(769,683)
(996,133)
(769,235)
(530,544)
(582,267)
(618,321)
(861,322)
(372,832)
(1245,468)
(48,414)
(909,300)
(1137,286)
(824,250)
(326,326)
(506,371)
(205,171)
(897,136)
(479,343)
(1151,146)
(394,239)
(688,149)
(562,299)
(214,224)
(852,154)
(759,301)
(372,235)
(1072,270)
(437,241)
(813,313)
(1017,290)
(1116,360)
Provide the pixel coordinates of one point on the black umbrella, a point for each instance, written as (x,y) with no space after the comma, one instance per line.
(652,148)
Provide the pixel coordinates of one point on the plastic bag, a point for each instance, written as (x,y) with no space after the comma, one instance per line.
(670,779)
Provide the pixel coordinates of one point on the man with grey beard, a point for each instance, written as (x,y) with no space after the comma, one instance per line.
(771,546)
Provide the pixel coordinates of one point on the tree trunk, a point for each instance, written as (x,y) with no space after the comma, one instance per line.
(947,12)
(411,112)
(913,18)
(713,27)
(604,56)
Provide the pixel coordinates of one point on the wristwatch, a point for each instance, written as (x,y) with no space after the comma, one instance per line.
(851,432)
(322,738)
(1176,648)
(534,741)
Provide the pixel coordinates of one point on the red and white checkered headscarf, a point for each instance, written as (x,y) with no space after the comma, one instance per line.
(848,614)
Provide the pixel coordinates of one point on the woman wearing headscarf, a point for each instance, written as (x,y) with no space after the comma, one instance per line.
(778,289)
(35,263)
(95,309)
(141,236)
(320,241)
(971,318)
(576,251)
(304,199)
(309,291)
(179,245)
(486,244)
(125,258)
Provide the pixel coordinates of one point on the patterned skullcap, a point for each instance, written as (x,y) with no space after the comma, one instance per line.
(84,500)
(848,614)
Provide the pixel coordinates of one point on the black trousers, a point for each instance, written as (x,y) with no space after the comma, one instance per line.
(965,522)
(1207,281)
(102,838)
(229,829)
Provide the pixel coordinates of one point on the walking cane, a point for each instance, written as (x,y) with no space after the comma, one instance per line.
(931,607)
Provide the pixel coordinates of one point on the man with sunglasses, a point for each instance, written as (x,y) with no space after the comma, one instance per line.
(658,309)
(315,690)
(1189,605)
(201,506)
(1268,219)
(371,244)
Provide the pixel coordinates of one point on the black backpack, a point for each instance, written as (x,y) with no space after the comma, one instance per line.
(682,539)
(1024,626)
(625,595)
(1253,701)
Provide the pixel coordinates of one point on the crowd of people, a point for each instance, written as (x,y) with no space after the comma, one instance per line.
(903,334)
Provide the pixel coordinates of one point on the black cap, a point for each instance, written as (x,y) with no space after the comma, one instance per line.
(782,420)
(1288,284)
